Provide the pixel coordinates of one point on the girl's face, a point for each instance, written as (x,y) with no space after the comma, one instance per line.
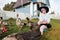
(43,10)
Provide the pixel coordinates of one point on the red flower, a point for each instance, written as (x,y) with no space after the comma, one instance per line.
(4,29)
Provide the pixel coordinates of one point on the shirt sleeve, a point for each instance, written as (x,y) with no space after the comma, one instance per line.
(41,17)
(48,18)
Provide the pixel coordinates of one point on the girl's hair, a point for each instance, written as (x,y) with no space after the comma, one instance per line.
(46,8)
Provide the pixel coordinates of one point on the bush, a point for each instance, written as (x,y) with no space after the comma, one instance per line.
(11,18)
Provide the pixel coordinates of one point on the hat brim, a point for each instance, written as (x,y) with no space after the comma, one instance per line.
(47,9)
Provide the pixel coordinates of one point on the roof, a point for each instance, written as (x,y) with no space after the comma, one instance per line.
(21,2)
(39,2)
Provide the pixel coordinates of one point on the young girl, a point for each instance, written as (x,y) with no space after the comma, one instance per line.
(44,19)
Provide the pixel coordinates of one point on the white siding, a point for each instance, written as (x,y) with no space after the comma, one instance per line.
(45,1)
(25,9)
(31,9)
(9,14)
(35,9)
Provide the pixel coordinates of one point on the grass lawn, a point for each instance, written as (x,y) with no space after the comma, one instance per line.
(52,34)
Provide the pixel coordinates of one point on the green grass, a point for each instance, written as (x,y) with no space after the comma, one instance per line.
(51,34)
(54,33)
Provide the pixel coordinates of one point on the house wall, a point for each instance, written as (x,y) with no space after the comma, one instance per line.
(48,3)
(45,1)
(9,14)
(25,9)
(34,0)
(32,8)
(35,9)
(39,0)
(2,14)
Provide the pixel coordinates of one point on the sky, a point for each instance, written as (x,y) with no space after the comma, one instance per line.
(53,3)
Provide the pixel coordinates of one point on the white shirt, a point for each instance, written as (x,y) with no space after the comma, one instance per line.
(44,17)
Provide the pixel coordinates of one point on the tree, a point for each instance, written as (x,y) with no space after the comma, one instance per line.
(9,7)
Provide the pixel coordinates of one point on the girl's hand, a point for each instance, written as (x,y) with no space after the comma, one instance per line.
(40,22)
(44,22)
